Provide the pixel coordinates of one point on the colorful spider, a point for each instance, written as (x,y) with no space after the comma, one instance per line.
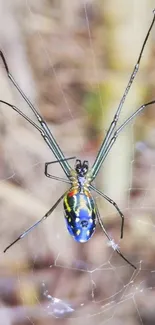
(81,211)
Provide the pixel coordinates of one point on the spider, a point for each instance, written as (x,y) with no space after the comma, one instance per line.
(80,208)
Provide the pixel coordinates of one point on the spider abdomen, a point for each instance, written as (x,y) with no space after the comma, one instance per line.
(80,214)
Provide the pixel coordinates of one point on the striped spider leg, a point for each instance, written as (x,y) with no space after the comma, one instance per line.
(44,130)
(99,158)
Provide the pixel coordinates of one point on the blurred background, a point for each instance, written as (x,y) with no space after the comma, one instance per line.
(73,59)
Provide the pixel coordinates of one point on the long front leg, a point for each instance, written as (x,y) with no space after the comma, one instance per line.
(16,109)
(98,161)
(36,224)
(116,133)
(113,203)
(50,138)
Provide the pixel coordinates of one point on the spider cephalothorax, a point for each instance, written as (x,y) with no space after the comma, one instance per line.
(81,168)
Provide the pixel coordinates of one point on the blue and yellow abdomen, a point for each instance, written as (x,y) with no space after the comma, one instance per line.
(80,214)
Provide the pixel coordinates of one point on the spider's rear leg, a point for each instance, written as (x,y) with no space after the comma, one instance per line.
(47,214)
(114,204)
(114,246)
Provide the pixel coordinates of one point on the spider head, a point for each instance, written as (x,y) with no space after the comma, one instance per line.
(81,168)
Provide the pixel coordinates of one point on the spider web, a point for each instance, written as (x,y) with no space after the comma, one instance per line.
(47,277)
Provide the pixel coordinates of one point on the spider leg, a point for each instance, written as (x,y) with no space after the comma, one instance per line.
(130,118)
(36,224)
(113,139)
(50,138)
(58,178)
(114,246)
(55,161)
(113,203)
(23,115)
(36,126)
(98,161)
(55,177)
